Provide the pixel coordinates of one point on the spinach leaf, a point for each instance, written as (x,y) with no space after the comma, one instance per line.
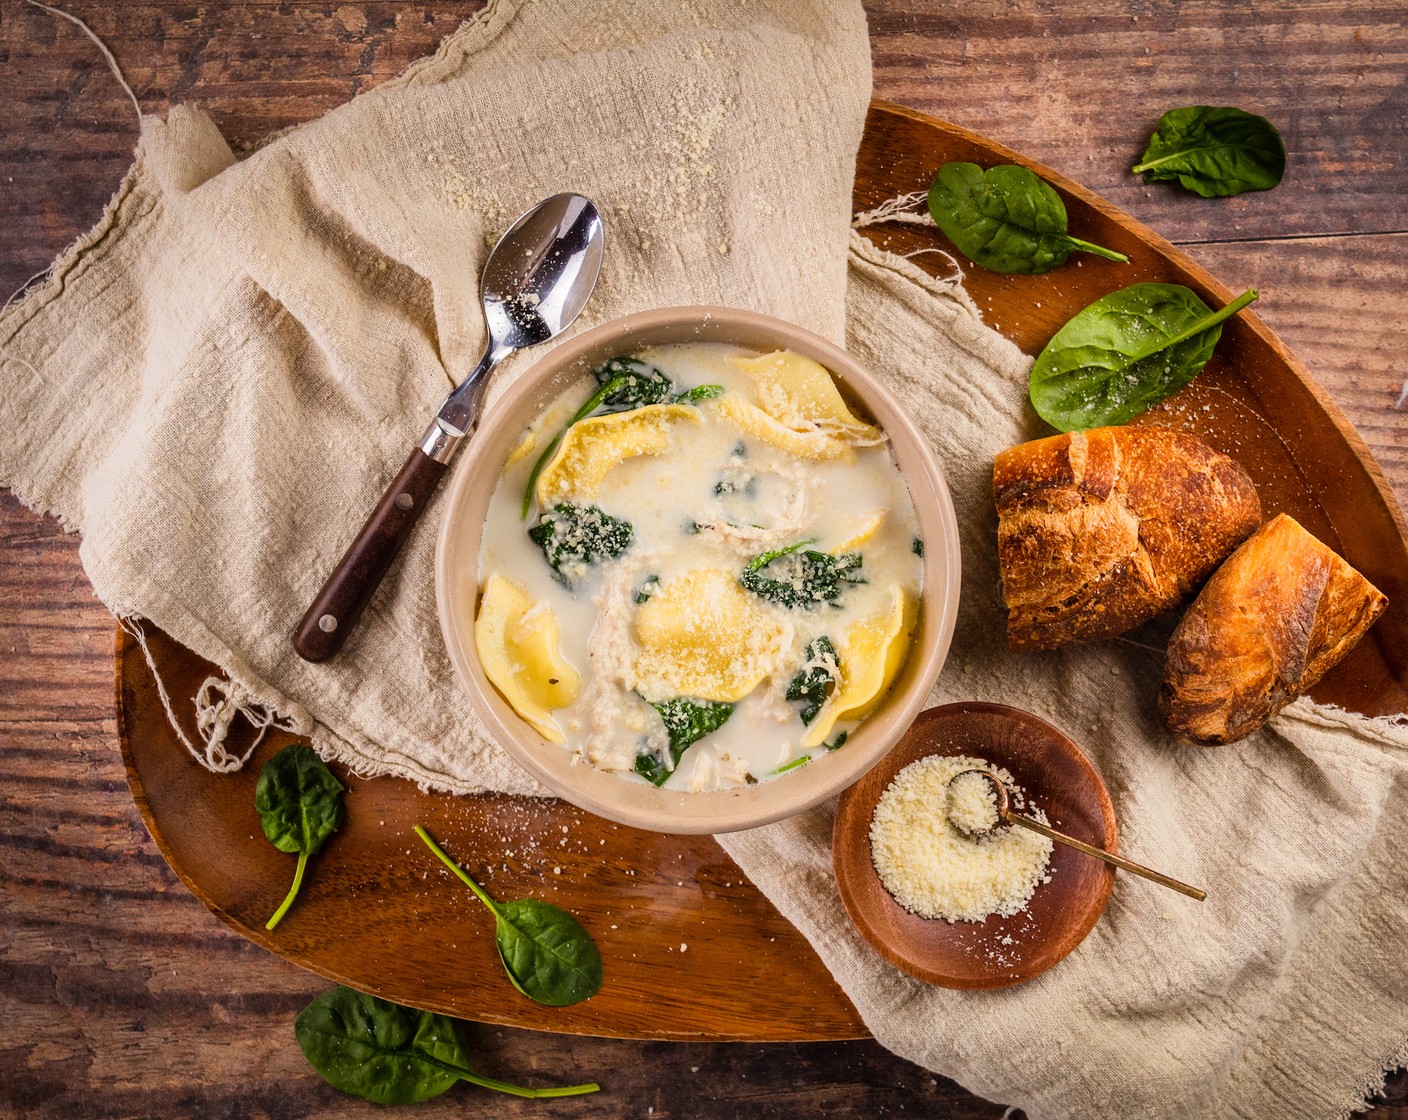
(1005,219)
(391,1054)
(1124,352)
(1215,151)
(797,763)
(797,576)
(573,536)
(631,383)
(686,722)
(300,806)
(814,684)
(698,393)
(547,954)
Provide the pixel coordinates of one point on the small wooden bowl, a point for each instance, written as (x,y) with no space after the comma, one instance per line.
(996,952)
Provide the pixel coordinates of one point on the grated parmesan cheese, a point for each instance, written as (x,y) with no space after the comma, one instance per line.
(972,804)
(935,871)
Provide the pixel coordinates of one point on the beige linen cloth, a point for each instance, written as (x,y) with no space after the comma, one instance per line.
(216,383)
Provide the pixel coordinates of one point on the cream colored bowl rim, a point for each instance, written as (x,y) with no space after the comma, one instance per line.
(639,804)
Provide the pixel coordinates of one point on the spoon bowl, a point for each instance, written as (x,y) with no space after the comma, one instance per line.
(537,286)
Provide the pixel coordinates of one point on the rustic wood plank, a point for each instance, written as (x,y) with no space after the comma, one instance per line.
(1079,87)
(115,984)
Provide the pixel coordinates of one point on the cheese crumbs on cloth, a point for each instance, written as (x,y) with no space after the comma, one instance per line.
(932,869)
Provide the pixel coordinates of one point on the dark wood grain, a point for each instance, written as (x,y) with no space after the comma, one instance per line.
(120,995)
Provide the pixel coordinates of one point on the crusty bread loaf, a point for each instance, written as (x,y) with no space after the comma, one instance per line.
(1099,531)
(1270,623)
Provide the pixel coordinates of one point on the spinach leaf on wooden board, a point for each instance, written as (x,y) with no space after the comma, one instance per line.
(391,1054)
(1005,219)
(300,806)
(1215,151)
(547,954)
(1124,352)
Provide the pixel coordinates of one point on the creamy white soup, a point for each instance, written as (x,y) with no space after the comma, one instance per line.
(717,575)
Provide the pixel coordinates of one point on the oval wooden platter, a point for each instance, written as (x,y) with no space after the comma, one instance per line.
(692,950)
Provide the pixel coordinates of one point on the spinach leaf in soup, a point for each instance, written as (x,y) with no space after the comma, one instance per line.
(797,576)
(1214,151)
(547,954)
(1005,219)
(818,678)
(1125,352)
(686,722)
(631,383)
(390,1054)
(573,536)
(697,394)
(300,805)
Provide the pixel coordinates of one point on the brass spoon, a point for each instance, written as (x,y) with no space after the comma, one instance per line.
(1005,815)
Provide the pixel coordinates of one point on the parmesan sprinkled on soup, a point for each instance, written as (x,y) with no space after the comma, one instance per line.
(699,569)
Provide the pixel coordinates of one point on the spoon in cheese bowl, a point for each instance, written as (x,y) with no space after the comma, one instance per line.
(977,805)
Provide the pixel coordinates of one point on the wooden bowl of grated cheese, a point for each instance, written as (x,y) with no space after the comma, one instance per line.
(1012,943)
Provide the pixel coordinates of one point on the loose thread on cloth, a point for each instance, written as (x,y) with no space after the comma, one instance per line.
(107,54)
(901,209)
(218,701)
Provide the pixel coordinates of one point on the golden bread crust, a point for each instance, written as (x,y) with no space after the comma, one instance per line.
(1099,531)
(1270,623)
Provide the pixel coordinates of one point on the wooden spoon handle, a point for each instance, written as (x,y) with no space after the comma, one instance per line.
(352,583)
(1108,857)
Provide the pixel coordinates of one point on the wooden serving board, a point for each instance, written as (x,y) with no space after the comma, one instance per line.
(692,950)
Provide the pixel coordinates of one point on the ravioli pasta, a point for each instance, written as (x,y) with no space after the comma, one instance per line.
(685,547)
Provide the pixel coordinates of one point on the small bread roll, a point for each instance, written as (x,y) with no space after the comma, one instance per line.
(1099,531)
(1269,624)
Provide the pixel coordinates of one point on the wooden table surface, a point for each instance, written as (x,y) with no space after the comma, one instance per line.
(120,995)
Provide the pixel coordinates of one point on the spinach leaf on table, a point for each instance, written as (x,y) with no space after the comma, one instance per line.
(1124,352)
(1214,151)
(547,954)
(1005,219)
(686,722)
(391,1054)
(797,576)
(300,806)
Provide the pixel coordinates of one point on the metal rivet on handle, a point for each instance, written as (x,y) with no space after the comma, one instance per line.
(404,501)
(327,624)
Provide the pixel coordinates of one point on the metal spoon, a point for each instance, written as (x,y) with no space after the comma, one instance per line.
(535,283)
(1005,815)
